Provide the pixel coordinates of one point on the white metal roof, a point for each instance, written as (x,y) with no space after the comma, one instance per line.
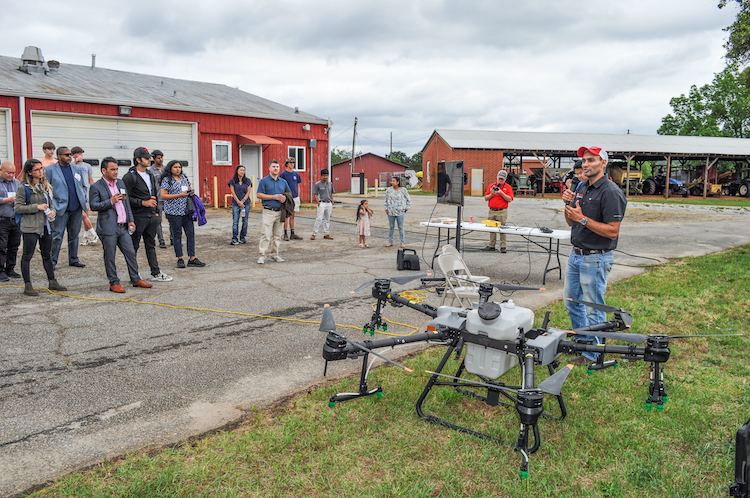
(565,143)
(106,86)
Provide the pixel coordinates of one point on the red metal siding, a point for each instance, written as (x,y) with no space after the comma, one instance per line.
(369,164)
(491,161)
(210,127)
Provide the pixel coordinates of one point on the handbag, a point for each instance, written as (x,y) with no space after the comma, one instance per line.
(190,207)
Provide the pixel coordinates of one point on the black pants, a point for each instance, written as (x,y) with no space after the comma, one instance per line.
(45,246)
(10,239)
(147,227)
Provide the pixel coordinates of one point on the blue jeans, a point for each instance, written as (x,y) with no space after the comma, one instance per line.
(176,225)
(236,220)
(400,220)
(71,220)
(586,280)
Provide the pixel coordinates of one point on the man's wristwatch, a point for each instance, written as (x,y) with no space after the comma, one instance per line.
(584,220)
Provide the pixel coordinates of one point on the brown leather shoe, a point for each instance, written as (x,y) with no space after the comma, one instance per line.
(117,288)
(142,283)
(312,237)
(327,237)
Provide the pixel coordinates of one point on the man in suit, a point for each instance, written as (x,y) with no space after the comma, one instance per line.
(68,200)
(114,224)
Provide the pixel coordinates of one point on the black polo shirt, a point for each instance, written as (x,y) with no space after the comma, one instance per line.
(604,202)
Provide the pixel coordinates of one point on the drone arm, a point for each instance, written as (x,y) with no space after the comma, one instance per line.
(528,370)
(427,309)
(633,353)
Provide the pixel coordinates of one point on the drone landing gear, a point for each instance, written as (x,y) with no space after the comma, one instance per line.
(527,402)
(600,364)
(363,389)
(656,391)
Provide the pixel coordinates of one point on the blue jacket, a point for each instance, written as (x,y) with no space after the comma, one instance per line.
(60,187)
(200,211)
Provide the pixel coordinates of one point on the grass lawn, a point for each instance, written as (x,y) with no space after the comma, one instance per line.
(608,446)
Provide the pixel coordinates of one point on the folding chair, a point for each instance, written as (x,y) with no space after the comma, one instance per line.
(449,249)
(457,287)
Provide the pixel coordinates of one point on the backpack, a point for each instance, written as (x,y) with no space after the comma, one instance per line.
(28,196)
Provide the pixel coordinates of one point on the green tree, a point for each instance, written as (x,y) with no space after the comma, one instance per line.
(416,161)
(340,154)
(719,109)
(738,44)
(399,157)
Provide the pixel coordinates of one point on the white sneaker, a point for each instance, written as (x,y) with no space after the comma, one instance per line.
(93,237)
(85,239)
(161,277)
(261,260)
(278,259)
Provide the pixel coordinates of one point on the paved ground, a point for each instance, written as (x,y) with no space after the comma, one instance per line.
(89,378)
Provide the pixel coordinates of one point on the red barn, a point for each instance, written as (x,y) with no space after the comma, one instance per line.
(109,113)
(373,166)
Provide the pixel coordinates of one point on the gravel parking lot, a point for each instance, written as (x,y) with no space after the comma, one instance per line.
(91,375)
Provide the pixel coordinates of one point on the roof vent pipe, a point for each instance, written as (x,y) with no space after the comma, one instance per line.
(93,61)
(54,66)
(32,61)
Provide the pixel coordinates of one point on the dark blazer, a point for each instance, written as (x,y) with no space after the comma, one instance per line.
(138,192)
(100,201)
(60,187)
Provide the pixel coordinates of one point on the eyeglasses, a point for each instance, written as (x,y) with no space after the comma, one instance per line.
(66,154)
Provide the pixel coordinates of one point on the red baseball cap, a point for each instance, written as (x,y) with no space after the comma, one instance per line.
(597,151)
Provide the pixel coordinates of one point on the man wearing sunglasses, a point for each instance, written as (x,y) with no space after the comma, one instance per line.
(68,199)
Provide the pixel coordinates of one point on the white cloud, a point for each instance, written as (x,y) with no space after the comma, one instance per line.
(406,67)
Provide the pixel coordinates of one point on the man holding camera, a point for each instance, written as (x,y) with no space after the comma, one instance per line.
(498,196)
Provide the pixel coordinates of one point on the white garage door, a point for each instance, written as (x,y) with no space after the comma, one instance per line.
(5,141)
(116,137)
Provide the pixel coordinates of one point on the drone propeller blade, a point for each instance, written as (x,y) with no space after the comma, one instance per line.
(396,280)
(360,346)
(365,285)
(327,324)
(408,278)
(509,287)
(619,336)
(475,383)
(553,384)
(596,306)
(702,335)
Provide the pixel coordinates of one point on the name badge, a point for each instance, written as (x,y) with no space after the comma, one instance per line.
(184,188)
(11,193)
(78,176)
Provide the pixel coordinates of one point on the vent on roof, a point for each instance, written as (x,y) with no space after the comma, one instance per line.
(54,66)
(32,61)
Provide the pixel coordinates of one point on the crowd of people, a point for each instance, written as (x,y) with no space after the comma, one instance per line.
(56,193)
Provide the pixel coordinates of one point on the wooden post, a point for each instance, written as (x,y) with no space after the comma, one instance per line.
(376,187)
(216,193)
(705,178)
(666,180)
(366,187)
(253,189)
(627,179)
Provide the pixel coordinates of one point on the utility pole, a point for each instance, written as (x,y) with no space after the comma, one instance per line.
(354,139)
(390,156)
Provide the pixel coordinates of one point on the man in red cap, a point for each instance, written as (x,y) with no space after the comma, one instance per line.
(594,212)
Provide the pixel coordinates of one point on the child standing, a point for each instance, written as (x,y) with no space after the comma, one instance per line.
(363,222)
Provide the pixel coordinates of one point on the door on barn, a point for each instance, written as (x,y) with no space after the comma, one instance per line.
(477,181)
(250,158)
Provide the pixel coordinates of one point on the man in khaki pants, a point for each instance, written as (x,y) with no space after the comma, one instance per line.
(498,196)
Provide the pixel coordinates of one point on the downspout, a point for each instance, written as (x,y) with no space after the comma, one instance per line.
(22,125)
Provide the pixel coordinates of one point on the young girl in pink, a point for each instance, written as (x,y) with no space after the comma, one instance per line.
(363,222)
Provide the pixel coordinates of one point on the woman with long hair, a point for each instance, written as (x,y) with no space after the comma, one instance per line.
(175,190)
(241,187)
(36,214)
(397,202)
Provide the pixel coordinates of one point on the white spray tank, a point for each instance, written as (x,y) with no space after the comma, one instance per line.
(500,321)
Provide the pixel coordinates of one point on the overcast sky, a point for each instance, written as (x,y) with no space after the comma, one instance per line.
(402,66)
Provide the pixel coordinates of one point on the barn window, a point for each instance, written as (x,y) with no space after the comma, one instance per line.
(222,152)
(298,153)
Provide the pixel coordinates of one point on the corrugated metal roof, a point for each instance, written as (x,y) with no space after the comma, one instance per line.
(107,86)
(568,143)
